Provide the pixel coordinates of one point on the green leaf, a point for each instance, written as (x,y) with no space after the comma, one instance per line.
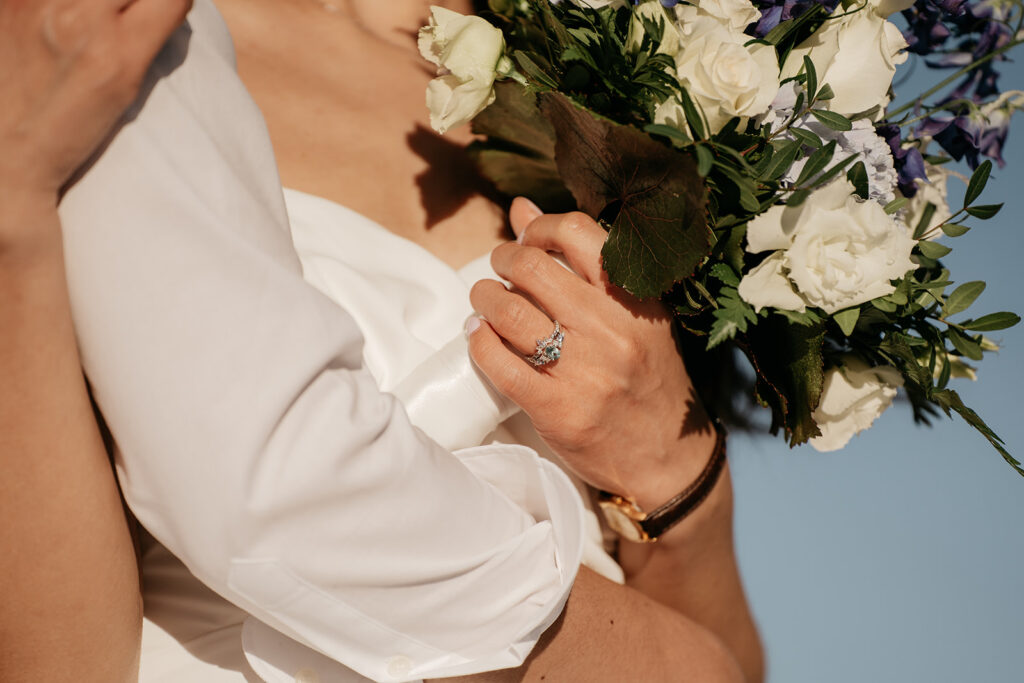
(782,160)
(884,304)
(725,274)
(789,365)
(954,229)
(669,132)
(962,297)
(722,329)
(693,116)
(514,119)
(964,344)
(984,211)
(832,120)
(826,92)
(896,204)
(948,400)
(705,159)
(816,162)
(812,78)
(807,137)
(651,194)
(847,320)
(530,68)
(858,175)
(798,198)
(933,250)
(925,222)
(992,321)
(978,181)
(835,170)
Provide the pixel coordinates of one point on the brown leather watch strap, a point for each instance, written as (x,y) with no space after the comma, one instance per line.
(674,511)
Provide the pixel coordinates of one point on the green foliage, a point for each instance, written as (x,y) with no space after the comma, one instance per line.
(651,195)
(576,129)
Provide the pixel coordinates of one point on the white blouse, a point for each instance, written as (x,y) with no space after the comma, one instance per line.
(254,441)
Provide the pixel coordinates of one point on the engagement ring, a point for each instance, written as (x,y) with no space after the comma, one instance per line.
(549,349)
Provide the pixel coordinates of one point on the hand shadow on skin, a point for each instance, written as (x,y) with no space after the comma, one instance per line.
(451,178)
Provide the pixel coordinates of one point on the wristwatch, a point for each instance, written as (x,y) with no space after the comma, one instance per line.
(626,518)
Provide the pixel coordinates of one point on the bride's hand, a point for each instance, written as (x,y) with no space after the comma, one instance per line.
(68,69)
(618,405)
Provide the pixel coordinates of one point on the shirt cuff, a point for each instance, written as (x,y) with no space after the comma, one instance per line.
(351,641)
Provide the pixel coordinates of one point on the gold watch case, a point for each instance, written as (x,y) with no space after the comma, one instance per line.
(624,517)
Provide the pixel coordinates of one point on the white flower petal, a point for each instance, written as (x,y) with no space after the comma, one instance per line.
(766,286)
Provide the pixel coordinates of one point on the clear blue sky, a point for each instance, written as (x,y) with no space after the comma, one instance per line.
(901,558)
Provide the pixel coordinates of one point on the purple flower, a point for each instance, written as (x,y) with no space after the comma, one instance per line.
(975,132)
(908,161)
(774,12)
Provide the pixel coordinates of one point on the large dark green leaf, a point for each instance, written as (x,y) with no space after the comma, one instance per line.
(790,373)
(514,119)
(651,194)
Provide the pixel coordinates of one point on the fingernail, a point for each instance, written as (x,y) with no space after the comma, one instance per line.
(532,208)
(472,325)
(531,211)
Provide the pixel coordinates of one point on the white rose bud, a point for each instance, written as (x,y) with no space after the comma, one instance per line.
(833,252)
(725,76)
(857,55)
(733,14)
(854,395)
(469,54)
(652,10)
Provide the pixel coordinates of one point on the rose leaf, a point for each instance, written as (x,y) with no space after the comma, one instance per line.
(652,195)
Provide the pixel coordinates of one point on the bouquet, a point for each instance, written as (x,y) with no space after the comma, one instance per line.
(752,172)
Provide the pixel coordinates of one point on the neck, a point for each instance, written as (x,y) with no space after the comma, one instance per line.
(395,22)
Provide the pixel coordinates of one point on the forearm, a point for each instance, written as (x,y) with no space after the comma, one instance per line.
(70,600)
(610,632)
(692,569)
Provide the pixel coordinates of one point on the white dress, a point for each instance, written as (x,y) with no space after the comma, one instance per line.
(410,307)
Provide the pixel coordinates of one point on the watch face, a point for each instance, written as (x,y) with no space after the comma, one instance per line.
(621,523)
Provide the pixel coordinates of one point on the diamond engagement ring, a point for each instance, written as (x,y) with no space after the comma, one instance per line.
(549,349)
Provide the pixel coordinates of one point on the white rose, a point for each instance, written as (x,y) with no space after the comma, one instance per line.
(726,77)
(853,396)
(857,55)
(469,54)
(833,252)
(652,10)
(733,14)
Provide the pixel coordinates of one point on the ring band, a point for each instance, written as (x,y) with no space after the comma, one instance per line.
(549,349)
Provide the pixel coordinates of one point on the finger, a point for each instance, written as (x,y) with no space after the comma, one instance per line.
(510,374)
(556,289)
(521,214)
(576,236)
(146,25)
(511,315)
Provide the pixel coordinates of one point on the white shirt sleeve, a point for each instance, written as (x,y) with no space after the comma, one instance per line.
(252,442)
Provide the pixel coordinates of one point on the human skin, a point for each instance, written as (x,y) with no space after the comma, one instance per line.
(70,605)
(342,92)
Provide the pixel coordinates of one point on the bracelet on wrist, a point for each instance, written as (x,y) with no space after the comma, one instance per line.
(628,520)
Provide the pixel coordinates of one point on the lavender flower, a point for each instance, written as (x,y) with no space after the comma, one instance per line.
(908,162)
(774,12)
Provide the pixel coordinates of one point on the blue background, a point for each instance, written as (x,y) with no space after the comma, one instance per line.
(901,557)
